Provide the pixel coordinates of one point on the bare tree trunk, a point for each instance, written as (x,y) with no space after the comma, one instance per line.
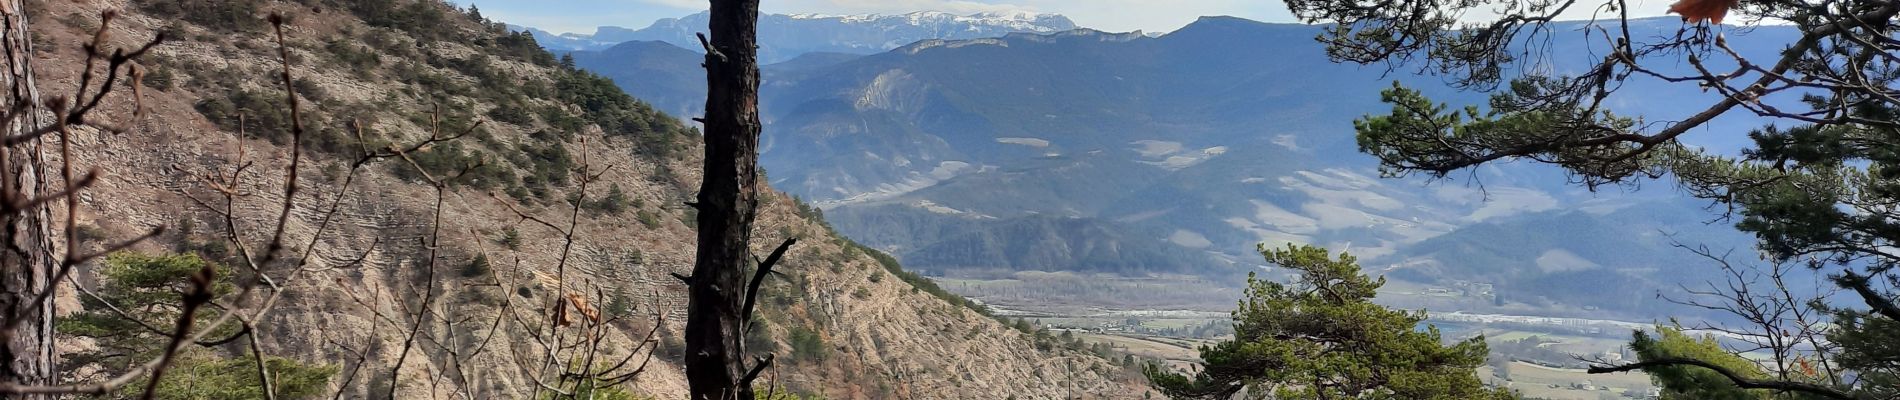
(728,198)
(26,262)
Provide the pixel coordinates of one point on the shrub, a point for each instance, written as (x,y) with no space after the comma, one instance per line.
(150,284)
(353,57)
(477,267)
(220,15)
(309,90)
(619,304)
(235,378)
(159,78)
(512,114)
(453,165)
(758,337)
(88,233)
(807,345)
(511,238)
(614,203)
(263,114)
(648,218)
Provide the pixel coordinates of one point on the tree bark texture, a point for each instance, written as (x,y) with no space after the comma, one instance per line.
(727,202)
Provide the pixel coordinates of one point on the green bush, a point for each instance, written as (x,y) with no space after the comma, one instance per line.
(549,164)
(758,337)
(648,219)
(264,115)
(511,238)
(614,203)
(807,345)
(198,377)
(513,114)
(618,114)
(159,78)
(353,57)
(150,285)
(477,267)
(456,166)
(219,15)
(424,20)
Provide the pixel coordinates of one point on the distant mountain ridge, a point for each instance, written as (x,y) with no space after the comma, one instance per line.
(1090,151)
(784,37)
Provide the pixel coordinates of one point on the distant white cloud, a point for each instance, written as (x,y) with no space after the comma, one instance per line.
(896,6)
(687,4)
(1107,15)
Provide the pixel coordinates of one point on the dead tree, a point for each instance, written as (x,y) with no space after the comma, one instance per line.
(719,298)
(26,262)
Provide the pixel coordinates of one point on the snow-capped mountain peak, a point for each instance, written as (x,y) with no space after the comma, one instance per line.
(783,37)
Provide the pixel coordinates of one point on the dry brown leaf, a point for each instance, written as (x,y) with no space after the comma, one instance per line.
(1694,11)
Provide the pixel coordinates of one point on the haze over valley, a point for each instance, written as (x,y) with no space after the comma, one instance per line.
(1171,155)
(949,199)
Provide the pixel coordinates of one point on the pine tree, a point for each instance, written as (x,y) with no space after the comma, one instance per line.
(1322,337)
(1818,186)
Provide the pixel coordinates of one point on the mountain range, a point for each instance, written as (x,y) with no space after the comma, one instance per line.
(1136,154)
(370,277)
(784,37)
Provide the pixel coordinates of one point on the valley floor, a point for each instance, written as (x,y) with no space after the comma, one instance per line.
(1165,319)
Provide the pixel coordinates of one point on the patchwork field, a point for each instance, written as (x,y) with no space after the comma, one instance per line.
(1540,382)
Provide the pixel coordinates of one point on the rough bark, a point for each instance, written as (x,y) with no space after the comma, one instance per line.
(727,202)
(26,262)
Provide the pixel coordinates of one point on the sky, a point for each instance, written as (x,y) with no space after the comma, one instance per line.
(581,16)
(1109,15)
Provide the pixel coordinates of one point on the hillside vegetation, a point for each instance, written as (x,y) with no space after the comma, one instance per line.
(407,289)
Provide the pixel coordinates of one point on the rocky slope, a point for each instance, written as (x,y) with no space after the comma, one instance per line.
(841,322)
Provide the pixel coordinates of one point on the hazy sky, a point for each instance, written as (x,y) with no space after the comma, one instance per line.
(1109,15)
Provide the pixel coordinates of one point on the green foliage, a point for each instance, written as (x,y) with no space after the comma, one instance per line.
(648,219)
(454,165)
(618,114)
(807,345)
(424,20)
(916,282)
(148,286)
(1816,191)
(521,46)
(353,57)
(477,267)
(586,386)
(264,114)
(548,165)
(85,234)
(782,394)
(1686,382)
(513,114)
(1325,328)
(758,337)
(614,203)
(511,238)
(211,378)
(160,78)
(223,15)
(1868,343)
(619,304)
